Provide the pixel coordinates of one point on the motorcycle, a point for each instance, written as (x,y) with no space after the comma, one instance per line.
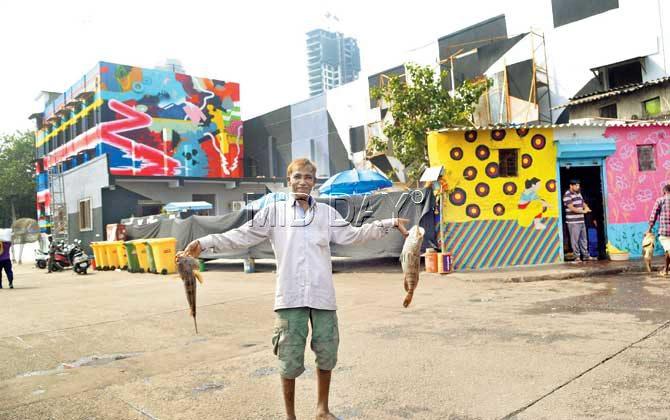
(65,256)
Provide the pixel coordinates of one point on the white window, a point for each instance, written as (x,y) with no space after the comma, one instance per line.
(85,215)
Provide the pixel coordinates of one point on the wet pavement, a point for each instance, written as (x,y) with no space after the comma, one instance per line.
(119,346)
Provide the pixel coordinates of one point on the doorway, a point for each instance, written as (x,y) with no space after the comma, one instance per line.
(592,191)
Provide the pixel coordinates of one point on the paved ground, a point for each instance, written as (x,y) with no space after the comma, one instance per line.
(120,346)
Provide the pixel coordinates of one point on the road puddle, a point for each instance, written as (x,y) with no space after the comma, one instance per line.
(94,360)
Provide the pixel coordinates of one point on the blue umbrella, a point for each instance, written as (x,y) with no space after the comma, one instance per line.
(355,181)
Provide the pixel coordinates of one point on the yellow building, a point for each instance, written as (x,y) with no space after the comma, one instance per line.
(503,207)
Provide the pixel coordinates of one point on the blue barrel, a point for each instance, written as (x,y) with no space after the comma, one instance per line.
(593,241)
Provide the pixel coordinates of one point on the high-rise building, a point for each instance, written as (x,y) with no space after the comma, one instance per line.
(332,60)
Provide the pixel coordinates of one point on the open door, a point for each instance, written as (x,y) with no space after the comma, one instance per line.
(592,191)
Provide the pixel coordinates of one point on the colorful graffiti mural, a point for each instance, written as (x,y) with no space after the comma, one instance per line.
(155,123)
(503,207)
(631,193)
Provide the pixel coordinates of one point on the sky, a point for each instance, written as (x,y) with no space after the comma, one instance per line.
(49,45)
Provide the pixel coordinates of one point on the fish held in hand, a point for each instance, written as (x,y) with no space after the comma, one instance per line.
(648,245)
(187,267)
(410,259)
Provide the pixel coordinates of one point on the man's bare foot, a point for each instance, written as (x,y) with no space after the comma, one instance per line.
(326,416)
(291,418)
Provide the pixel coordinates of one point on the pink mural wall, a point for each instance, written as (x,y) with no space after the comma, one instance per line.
(631,193)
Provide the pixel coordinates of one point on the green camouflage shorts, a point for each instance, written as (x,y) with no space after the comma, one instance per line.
(290,336)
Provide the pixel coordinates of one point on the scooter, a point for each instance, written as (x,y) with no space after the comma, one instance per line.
(80,261)
(58,256)
(41,259)
(42,252)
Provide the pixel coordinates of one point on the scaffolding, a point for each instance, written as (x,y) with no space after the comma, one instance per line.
(58,208)
(540,92)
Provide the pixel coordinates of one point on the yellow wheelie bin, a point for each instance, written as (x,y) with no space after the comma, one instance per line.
(133,261)
(164,250)
(150,257)
(100,256)
(112,254)
(122,255)
(142,258)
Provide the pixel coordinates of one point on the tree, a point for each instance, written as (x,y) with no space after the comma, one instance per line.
(420,106)
(17,181)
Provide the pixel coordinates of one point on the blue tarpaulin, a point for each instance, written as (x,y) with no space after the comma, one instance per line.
(187,205)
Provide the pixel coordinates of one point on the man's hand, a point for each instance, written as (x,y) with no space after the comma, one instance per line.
(400,225)
(192,250)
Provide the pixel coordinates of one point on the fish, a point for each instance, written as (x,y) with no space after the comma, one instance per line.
(410,260)
(187,267)
(648,245)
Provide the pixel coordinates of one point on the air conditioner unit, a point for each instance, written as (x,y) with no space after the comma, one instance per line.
(237,205)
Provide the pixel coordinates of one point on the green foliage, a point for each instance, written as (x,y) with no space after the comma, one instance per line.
(419,107)
(17,182)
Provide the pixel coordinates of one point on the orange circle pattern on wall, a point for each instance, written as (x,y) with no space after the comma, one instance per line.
(470,173)
(551,185)
(473,211)
(498,135)
(482,189)
(482,152)
(457,197)
(478,191)
(492,170)
(538,142)
(456,153)
(509,188)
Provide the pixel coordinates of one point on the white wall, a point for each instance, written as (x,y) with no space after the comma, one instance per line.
(163,193)
(86,181)
(309,122)
(348,107)
(633,30)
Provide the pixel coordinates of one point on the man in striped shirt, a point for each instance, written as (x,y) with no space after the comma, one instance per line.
(661,213)
(575,209)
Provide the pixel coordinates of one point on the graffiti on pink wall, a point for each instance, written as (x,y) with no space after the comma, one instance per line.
(630,192)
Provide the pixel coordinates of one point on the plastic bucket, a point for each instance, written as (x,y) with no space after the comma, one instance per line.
(430,261)
(444,263)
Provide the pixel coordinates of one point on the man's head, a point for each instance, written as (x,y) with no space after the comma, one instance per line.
(301,175)
(666,189)
(574,185)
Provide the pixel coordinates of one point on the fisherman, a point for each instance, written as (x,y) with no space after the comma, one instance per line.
(300,230)
(661,214)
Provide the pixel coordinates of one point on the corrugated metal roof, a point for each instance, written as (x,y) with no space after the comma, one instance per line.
(588,123)
(595,96)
